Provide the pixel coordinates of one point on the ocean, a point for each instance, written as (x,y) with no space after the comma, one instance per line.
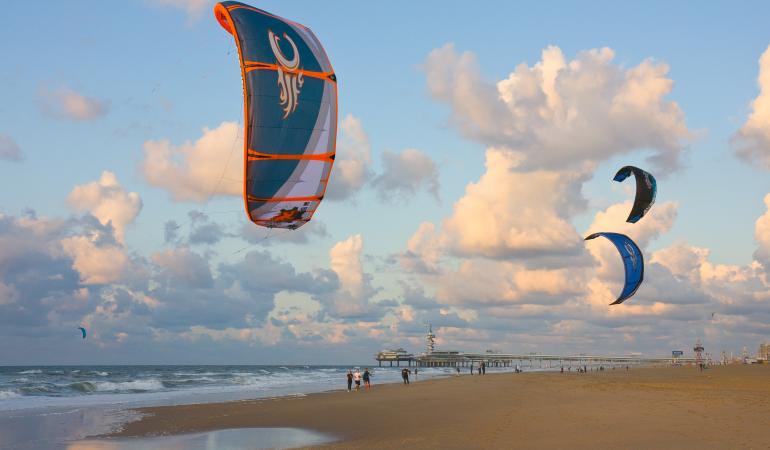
(47,407)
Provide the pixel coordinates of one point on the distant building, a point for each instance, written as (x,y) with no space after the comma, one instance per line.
(430,340)
(398,353)
(764,351)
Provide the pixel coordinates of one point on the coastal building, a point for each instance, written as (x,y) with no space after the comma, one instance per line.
(430,340)
(398,355)
(764,352)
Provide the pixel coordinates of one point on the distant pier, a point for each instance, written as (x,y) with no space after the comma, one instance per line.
(460,359)
(437,358)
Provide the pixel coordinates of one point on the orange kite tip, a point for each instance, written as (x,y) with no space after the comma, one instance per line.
(223,17)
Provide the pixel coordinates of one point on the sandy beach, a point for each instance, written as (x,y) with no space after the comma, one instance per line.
(722,407)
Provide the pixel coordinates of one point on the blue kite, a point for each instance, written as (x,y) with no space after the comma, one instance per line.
(633,262)
(82,330)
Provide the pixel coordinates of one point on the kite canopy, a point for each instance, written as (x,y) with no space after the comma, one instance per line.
(82,330)
(290,100)
(633,262)
(646,188)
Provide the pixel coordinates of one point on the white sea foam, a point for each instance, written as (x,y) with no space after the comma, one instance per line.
(136,385)
(9,394)
(29,372)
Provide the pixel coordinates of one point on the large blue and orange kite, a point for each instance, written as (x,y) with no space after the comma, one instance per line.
(290,108)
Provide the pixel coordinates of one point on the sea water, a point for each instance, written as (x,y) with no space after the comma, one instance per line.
(50,406)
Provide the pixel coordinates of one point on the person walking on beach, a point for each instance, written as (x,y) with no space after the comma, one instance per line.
(471,368)
(458,370)
(350,380)
(483,368)
(367,378)
(405,375)
(357,379)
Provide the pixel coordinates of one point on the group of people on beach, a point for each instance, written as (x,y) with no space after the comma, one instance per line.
(357,377)
(482,368)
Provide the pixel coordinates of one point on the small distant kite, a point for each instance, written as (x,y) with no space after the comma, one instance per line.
(633,262)
(646,188)
(82,330)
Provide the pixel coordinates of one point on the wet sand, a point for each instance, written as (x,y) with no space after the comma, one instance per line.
(645,408)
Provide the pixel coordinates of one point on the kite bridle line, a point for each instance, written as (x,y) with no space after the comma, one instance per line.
(267,236)
(239,127)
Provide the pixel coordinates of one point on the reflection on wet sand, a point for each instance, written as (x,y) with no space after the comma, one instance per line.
(232,439)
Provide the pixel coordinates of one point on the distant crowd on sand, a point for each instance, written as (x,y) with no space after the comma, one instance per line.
(356,376)
(585,369)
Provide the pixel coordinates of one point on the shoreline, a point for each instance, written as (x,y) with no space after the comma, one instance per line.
(722,407)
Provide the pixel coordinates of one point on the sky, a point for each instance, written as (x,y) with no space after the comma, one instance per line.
(476,148)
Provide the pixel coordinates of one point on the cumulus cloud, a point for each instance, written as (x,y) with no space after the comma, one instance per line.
(196,171)
(108,201)
(509,213)
(199,229)
(762,236)
(170,231)
(352,164)
(752,141)
(560,113)
(547,127)
(203,230)
(34,271)
(346,262)
(57,274)
(405,173)
(9,150)
(96,264)
(423,250)
(485,282)
(682,260)
(656,222)
(194,9)
(508,259)
(65,103)
(351,300)
(184,266)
